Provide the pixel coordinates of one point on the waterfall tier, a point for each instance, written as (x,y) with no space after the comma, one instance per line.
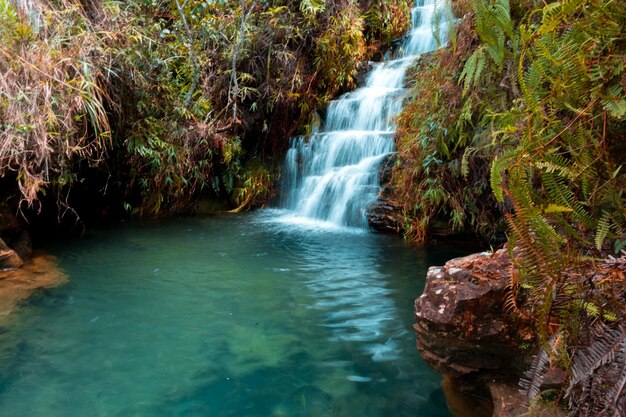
(332,175)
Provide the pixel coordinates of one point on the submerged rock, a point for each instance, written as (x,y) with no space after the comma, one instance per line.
(39,272)
(461,404)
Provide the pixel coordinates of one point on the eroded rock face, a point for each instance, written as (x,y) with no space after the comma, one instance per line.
(462,327)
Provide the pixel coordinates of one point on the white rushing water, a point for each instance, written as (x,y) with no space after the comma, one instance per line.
(332,176)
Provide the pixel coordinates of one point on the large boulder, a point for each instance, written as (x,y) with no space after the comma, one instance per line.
(462,324)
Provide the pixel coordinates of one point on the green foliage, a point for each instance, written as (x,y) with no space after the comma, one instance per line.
(387,21)
(158,95)
(443,155)
(537,95)
(53,94)
(492,22)
(255,187)
(564,147)
(340,49)
(560,173)
(311,8)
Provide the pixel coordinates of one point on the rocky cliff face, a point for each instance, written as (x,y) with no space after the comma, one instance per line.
(465,332)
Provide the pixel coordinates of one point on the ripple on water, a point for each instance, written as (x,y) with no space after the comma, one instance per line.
(320,325)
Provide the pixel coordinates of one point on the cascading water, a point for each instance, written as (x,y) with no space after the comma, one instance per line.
(333,175)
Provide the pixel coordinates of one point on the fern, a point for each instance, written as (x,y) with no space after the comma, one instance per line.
(473,69)
(606,354)
(618,391)
(602,230)
(556,174)
(531,385)
(498,167)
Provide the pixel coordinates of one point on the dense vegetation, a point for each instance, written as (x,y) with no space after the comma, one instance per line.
(518,126)
(153,103)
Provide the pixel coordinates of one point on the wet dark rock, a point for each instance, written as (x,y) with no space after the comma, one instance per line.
(8,222)
(507,400)
(22,244)
(462,327)
(386,170)
(9,259)
(363,69)
(15,242)
(385,214)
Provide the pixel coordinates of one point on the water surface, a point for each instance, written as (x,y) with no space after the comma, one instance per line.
(224,316)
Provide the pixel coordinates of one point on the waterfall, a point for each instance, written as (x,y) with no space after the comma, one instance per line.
(332,175)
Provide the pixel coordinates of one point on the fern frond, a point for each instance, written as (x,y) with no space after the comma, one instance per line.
(604,343)
(617,392)
(604,225)
(533,378)
(555,163)
(473,68)
(557,189)
(554,208)
(498,167)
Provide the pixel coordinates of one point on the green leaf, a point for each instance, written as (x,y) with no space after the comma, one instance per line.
(602,230)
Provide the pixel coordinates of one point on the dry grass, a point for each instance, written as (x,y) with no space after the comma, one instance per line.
(52,93)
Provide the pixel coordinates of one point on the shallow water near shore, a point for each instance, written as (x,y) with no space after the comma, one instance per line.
(246,315)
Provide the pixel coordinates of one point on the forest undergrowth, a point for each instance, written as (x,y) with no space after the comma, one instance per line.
(155,103)
(517,127)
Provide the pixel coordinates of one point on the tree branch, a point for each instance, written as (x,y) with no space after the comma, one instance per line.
(192,55)
(233,74)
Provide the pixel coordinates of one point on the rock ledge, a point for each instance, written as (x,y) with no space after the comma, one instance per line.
(465,333)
